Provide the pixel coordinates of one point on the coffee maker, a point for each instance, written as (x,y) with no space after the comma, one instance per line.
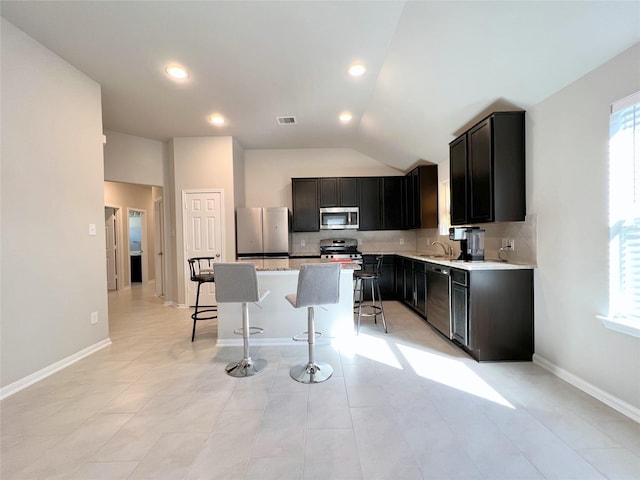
(471,242)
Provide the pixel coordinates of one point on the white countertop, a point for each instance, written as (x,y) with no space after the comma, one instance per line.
(292,264)
(488,264)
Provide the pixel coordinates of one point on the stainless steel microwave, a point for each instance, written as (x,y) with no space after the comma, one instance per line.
(339,218)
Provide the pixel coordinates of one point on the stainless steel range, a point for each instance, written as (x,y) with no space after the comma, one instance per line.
(340,249)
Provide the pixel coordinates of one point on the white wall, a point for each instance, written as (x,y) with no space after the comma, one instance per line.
(53,272)
(567,155)
(133,159)
(170,248)
(203,163)
(238,174)
(268,173)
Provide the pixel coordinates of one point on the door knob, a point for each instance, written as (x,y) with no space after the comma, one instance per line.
(217,255)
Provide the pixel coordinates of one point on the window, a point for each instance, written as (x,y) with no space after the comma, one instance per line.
(624,212)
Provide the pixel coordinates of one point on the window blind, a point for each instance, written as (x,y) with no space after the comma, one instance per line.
(624,206)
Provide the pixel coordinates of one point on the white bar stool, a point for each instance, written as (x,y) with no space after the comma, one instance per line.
(318,284)
(238,283)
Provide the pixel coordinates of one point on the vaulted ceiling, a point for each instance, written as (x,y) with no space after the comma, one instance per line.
(433,67)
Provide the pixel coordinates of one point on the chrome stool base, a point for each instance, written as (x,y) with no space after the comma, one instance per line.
(367,310)
(311,372)
(246,367)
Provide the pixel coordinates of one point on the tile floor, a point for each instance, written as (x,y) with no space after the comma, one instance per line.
(406,405)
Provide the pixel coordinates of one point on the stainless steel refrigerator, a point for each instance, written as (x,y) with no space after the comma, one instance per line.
(263,232)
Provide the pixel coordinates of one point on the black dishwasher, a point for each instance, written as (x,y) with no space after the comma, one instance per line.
(438,307)
(459,306)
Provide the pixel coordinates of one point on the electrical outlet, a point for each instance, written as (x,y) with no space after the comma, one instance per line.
(402,241)
(302,243)
(94,318)
(509,243)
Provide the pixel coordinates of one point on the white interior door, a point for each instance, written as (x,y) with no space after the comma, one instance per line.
(110,228)
(203,237)
(158,211)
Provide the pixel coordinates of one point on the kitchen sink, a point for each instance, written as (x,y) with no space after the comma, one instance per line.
(456,260)
(435,256)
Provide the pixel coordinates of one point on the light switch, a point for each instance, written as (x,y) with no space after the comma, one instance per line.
(92,229)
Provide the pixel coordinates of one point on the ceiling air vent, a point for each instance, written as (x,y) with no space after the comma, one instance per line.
(286,120)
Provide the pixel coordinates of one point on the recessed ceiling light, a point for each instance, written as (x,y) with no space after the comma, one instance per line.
(345,117)
(217,119)
(177,72)
(357,69)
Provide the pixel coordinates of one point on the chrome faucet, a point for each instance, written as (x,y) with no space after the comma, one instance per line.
(448,249)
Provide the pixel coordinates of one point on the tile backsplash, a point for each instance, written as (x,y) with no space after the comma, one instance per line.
(524,235)
(375,242)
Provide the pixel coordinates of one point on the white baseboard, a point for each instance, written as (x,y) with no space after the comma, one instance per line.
(51,369)
(614,402)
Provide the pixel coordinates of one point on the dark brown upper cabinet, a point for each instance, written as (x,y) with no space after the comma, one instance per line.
(380,202)
(487,171)
(370,203)
(392,198)
(421,197)
(306,212)
(338,191)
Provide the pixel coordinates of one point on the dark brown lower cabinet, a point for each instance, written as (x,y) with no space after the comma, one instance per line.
(500,315)
(491,310)
(411,284)
(386,281)
(420,287)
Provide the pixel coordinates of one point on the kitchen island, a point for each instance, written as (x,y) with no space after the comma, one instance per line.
(275,314)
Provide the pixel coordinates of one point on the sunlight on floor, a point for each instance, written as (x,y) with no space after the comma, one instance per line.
(373,348)
(450,372)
